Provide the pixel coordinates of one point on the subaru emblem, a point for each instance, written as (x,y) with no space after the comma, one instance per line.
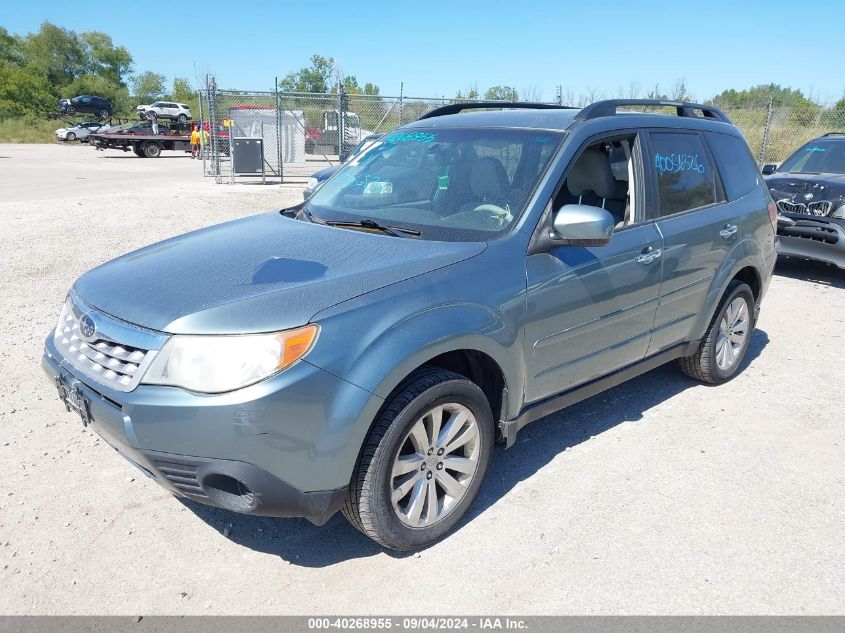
(808,196)
(86,326)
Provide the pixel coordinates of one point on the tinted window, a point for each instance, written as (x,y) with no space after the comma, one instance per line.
(684,173)
(738,169)
(822,156)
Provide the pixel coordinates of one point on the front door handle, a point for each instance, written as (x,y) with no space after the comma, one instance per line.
(648,255)
(729,231)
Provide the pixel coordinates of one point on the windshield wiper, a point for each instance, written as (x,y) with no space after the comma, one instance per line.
(366,223)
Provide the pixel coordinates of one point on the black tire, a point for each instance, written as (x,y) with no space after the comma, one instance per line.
(70,137)
(368,503)
(182,118)
(703,364)
(104,114)
(142,115)
(152,116)
(151,150)
(70,109)
(138,152)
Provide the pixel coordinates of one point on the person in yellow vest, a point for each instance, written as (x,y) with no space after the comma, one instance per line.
(195,141)
(203,142)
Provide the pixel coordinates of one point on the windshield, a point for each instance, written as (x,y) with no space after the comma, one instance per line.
(449,184)
(817,157)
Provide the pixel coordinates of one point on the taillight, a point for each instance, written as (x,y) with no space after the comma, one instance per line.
(773,213)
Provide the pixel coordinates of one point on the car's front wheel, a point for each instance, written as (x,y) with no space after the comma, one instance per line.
(70,137)
(424,461)
(182,118)
(723,349)
(104,114)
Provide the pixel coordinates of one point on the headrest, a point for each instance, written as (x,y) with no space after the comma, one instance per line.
(591,172)
(488,179)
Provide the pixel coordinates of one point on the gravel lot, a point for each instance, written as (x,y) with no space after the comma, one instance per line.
(661,496)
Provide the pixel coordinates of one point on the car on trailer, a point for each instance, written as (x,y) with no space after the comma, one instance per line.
(165,110)
(80,131)
(86,104)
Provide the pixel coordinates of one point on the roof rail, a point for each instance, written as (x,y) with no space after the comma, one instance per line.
(454,108)
(833,134)
(684,109)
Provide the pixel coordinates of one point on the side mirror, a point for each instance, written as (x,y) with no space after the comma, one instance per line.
(582,225)
(769,169)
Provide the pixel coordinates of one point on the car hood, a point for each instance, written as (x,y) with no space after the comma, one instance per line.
(258,274)
(324,174)
(806,187)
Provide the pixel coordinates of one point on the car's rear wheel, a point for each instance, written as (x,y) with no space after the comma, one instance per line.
(70,136)
(723,349)
(182,118)
(424,461)
(70,109)
(104,114)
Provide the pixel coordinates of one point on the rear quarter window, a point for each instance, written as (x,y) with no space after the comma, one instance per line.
(739,171)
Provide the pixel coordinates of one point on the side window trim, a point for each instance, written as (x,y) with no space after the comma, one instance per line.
(654,208)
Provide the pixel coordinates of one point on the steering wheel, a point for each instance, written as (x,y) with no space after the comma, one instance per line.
(497,213)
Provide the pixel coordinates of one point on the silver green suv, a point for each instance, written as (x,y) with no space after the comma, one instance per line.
(467,274)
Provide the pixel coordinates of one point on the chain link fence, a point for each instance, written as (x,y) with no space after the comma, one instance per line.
(286,137)
(773,132)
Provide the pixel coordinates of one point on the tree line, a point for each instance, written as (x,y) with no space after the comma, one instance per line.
(38,69)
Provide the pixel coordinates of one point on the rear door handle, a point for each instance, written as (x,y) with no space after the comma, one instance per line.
(648,255)
(729,231)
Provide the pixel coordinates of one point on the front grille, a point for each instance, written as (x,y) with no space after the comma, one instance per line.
(182,476)
(109,362)
(820,207)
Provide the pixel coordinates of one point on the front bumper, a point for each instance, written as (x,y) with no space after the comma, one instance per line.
(284,447)
(821,239)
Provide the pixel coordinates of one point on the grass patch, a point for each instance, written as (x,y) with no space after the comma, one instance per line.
(28,131)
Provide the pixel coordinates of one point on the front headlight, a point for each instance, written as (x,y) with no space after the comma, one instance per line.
(214,364)
(839,213)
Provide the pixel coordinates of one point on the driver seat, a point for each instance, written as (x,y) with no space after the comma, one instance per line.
(489,182)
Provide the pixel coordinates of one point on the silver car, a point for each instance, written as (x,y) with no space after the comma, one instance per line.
(79,132)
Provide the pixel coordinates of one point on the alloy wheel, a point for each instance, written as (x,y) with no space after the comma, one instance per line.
(733,334)
(435,465)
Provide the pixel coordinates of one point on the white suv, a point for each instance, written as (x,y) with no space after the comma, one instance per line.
(165,110)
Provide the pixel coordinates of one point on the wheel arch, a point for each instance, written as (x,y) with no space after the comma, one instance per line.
(744,263)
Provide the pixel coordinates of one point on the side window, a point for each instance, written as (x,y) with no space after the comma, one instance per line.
(739,171)
(685,178)
(603,175)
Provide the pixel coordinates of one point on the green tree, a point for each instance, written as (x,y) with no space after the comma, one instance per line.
(371,89)
(24,91)
(148,86)
(57,52)
(314,78)
(104,59)
(759,96)
(10,48)
(501,93)
(182,91)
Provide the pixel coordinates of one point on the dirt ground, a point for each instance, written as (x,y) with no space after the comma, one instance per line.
(661,496)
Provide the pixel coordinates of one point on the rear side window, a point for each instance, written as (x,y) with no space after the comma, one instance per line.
(685,178)
(740,175)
